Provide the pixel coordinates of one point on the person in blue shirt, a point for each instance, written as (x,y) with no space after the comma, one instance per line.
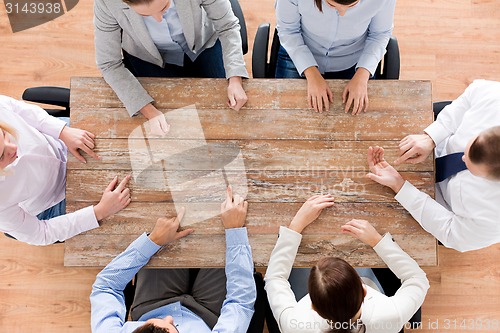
(179,300)
(327,39)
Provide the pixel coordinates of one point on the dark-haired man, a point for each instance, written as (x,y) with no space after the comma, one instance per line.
(179,300)
(465,214)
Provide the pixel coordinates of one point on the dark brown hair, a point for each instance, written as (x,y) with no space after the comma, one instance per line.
(486,150)
(319,3)
(150,328)
(336,292)
(138,2)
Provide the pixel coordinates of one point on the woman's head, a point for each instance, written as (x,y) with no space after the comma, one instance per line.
(153,8)
(340,5)
(336,291)
(8,149)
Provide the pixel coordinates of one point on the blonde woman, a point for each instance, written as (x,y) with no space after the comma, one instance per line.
(33,151)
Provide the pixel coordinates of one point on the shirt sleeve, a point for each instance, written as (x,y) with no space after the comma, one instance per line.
(238,307)
(107,38)
(451,116)
(379,32)
(290,34)
(414,283)
(28,228)
(107,299)
(36,117)
(452,230)
(279,293)
(227,27)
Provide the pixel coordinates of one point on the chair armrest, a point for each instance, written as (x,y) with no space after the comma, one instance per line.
(235,5)
(392,61)
(259,52)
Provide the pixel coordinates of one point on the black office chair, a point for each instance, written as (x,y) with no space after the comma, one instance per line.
(243,27)
(257,322)
(438,106)
(388,68)
(55,96)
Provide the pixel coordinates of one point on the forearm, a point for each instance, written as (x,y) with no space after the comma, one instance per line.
(238,306)
(30,229)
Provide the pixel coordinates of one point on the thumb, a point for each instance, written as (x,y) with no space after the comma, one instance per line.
(232,100)
(375,178)
(183,233)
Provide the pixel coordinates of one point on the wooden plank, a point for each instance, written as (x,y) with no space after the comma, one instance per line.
(388,96)
(251,124)
(99,250)
(265,186)
(263,218)
(268,155)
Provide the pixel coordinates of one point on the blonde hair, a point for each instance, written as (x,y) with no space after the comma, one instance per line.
(11,131)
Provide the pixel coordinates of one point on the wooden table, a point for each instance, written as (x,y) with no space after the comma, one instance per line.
(275,150)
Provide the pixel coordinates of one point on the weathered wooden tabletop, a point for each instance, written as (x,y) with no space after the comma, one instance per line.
(275,151)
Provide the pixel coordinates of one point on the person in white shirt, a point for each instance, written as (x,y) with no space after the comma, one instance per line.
(33,151)
(338,301)
(465,214)
(333,39)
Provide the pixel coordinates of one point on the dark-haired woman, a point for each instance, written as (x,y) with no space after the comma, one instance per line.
(338,301)
(167,38)
(342,39)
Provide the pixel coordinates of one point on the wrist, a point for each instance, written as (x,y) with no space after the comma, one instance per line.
(399,184)
(235,80)
(149,111)
(311,72)
(362,73)
(99,214)
(375,240)
(296,227)
(154,239)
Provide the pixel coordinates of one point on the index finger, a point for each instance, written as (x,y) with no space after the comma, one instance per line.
(89,151)
(229,194)
(180,215)
(122,184)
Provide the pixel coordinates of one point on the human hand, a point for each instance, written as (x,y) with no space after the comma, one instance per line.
(310,211)
(233,210)
(113,199)
(158,125)
(165,230)
(415,148)
(235,93)
(75,139)
(381,171)
(319,94)
(356,92)
(363,231)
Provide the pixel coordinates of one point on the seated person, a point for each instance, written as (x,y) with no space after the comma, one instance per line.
(338,301)
(191,38)
(465,214)
(179,300)
(328,39)
(33,154)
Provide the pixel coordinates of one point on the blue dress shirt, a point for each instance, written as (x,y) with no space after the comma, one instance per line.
(332,42)
(108,303)
(169,37)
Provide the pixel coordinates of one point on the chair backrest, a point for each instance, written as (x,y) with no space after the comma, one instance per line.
(388,68)
(57,96)
(243,27)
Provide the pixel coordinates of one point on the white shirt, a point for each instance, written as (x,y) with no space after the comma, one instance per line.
(36,181)
(333,42)
(466,213)
(379,313)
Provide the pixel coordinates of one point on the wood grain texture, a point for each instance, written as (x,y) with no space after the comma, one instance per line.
(450,42)
(275,173)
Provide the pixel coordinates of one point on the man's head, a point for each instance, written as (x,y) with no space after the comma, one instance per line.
(482,154)
(157,325)
(154,8)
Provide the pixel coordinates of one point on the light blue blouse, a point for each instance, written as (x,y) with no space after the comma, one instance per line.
(333,42)
(169,37)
